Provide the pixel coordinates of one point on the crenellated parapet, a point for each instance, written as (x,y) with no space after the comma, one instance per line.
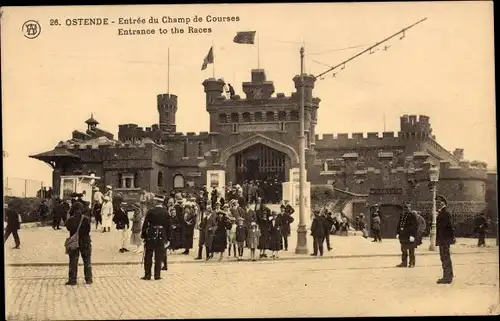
(327,141)
(179,136)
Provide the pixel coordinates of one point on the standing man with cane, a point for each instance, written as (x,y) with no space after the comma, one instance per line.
(155,235)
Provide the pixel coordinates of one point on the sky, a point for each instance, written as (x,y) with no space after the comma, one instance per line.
(442,68)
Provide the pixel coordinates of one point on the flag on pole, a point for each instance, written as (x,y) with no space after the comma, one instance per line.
(209,59)
(245,37)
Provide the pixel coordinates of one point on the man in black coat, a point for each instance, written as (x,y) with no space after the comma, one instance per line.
(318,232)
(13,225)
(57,214)
(328,225)
(480,228)
(84,244)
(407,234)
(445,237)
(155,233)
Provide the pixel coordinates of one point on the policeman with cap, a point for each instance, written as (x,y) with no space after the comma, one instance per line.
(155,233)
(445,237)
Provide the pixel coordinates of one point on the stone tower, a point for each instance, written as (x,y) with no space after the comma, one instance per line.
(167,108)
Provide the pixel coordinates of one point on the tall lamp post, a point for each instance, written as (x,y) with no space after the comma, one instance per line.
(433,178)
(301,228)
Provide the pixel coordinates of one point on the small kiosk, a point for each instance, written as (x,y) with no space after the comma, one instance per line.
(77,184)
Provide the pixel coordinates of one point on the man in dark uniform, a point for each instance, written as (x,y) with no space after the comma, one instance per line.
(445,237)
(155,232)
(13,225)
(407,234)
(318,232)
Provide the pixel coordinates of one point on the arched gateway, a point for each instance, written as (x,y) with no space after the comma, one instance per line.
(257,158)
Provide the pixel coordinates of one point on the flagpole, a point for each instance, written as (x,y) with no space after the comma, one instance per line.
(168,71)
(258,51)
(213,63)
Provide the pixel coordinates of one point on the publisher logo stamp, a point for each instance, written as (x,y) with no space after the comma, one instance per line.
(31,29)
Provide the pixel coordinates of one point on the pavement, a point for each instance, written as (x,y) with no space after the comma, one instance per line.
(44,246)
(356,287)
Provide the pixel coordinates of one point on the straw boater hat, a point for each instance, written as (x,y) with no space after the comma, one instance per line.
(109,187)
(96,188)
(159,198)
(240,219)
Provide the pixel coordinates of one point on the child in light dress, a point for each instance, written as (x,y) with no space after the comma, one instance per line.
(253,238)
(231,237)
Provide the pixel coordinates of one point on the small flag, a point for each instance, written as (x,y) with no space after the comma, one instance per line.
(209,59)
(245,37)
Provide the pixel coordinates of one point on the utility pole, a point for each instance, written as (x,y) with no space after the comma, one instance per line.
(369,49)
(301,228)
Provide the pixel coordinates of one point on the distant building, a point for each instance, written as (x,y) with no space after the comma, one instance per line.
(257,136)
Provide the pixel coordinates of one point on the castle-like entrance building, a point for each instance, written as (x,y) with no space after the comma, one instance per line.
(254,136)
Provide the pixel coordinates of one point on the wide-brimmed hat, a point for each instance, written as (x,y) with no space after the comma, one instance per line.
(96,188)
(442,199)
(109,187)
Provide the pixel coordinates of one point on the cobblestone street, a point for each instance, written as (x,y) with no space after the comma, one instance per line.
(46,246)
(335,287)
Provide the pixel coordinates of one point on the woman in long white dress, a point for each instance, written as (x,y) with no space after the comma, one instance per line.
(107,214)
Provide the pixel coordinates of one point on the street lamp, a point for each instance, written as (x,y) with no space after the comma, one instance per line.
(433,178)
(301,228)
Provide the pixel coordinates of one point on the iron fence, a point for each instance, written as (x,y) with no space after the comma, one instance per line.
(24,188)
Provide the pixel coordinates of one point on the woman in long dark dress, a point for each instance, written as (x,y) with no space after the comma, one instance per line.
(188,228)
(263,218)
(276,240)
(175,231)
(219,243)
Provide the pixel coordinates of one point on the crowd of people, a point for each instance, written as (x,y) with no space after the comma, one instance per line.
(240,223)
(269,189)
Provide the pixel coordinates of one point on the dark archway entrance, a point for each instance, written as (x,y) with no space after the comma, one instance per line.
(260,162)
(389,219)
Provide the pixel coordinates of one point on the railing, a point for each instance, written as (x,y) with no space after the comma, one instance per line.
(24,188)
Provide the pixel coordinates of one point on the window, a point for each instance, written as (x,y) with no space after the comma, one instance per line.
(294,115)
(246,117)
(120,180)
(127,180)
(222,118)
(160,179)
(282,115)
(179,181)
(270,116)
(185,148)
(200,149)
(258,116)
(234,118)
